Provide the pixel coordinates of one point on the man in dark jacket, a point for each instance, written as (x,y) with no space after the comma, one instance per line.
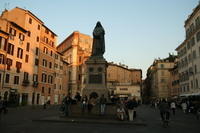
(164,110)
(131,105)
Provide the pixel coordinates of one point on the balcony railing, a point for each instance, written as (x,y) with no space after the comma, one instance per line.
(35,84)
(25,82)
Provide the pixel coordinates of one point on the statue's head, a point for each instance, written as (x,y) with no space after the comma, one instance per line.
(98,24)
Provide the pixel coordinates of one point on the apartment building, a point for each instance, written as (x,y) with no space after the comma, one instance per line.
(158,76)
(189,55)
(30,58)
(174,81)
(122,81)
(76,49)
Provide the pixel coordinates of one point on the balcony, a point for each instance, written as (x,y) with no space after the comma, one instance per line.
(25,82)
(35,84)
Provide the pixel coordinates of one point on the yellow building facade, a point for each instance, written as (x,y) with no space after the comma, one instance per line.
(76,49)
(124,82)
(31,56)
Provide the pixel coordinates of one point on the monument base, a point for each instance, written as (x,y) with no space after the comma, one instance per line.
(96,77)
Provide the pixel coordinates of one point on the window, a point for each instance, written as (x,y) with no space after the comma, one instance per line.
(20,53)
(46,40)
(0,77)
(36,62)
(162,73)
(197,21)
(30,21)
(80,59)
(2,57)
(9,63)
(198,36)
(192,42)
(61,67)
(18,66)
(55,65)
(195,68)
(12,32)
(44,77)
(35,77)
(2,42)
(26,58)
(46,31)
(26,76)
(10,49)
(194,54)
(38,27)
(49,90)
(50,79)
(27,46)
(197,85)
(191,84)
(162,65)
(52,35)
(16,80)
(50,65)
(21,36)
(188,45)
(7,78)
(162,80)
(56,56)
(37,51)
(44,62)
(51,53)
(45,50)
(29,33)
(42,89)
(37,39)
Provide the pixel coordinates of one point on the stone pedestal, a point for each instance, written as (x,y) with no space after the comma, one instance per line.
(95,77)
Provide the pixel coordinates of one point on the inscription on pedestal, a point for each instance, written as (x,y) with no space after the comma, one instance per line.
(95,79)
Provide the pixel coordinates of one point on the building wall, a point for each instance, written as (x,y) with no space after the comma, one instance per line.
(128,90)
(160,77)
(30,88)
(76,49)
(189,55)
(119,76)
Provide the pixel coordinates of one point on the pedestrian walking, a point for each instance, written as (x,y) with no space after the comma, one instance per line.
(91,104)
(84,102)
(184,106)
(3,106)
(131,104)
(121,112)
(102,103)
(67,104)
(173,107)
(164,112)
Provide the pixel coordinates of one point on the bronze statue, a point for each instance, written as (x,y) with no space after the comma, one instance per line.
(98,46)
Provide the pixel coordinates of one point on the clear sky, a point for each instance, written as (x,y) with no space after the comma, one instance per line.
(137,31)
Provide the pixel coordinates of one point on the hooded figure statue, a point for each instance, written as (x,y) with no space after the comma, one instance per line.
(98,46)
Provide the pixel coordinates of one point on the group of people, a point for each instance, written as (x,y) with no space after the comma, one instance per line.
(87,104)
(127,109)
(166,107)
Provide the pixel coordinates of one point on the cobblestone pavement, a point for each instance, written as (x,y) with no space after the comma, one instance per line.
(37,120)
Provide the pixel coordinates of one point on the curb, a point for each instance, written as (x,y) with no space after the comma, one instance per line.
(86,121)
